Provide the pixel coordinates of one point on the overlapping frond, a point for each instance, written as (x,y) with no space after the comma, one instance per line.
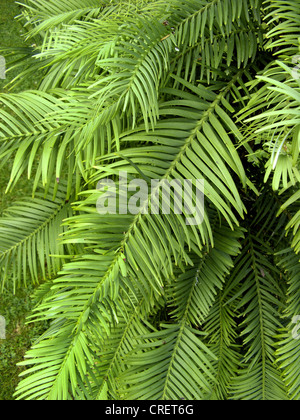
(200,288)
(163,296)
(24,131)
(60,366)
(35,123)
(219,33)
(203,148)
(176,348)
(277,128)
(284,20)
(289,344)
(144,56)
(68,52)
(175,365)
(222,336)
(259,300)
(118,344)
(43,16)
(200,284)
(30,247)
(88,300)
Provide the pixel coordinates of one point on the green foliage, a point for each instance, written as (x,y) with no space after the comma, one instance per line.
(30,228)
(147,306)
(19,337)
(15,307)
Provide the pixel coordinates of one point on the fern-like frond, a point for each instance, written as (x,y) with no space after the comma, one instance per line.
(23,130)
(220,33)
(43,17)
(113,350)
(59,362)
(35,123)
(206,278)
(67,52)
(278,130)
(84,303)
(291,206)
(203,148)
(196,295)
(222,336)
(284,35)
(259,302)
(278,124)
(172,291)
(30,248)
(174,365)
(289,344)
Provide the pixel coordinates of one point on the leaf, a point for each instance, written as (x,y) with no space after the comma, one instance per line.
(29,239)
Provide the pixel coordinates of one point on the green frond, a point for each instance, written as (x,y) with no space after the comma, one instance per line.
(222,336)
(203,148)
(196,295)
(205,279)
(215,34)
(186,286)
(259,301)
(68,52)
(43,16)
(36,123)
(98,281)
(119,343)
(291,206)
(30,247)
(283,19)
(278,128)
(281,116)
(101,276)
(288,345)
(173,364)
(57,362)
(85,303)
(24,130)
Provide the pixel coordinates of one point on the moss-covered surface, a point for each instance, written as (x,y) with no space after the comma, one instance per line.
(15,308)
